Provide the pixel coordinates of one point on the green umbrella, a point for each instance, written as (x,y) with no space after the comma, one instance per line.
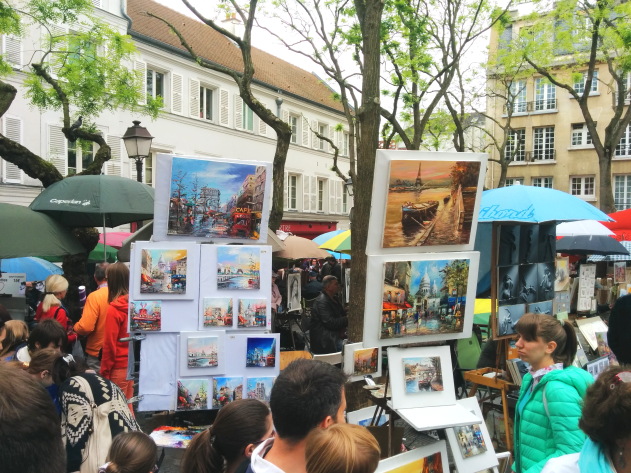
(28,233)
(94,201)
(95,256)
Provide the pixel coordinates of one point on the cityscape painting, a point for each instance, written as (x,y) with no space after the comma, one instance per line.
(201,352)
(145,315)
(238,267)
(226,390)
(430,202)
(215,199)
(365,361)
(252,313)
(163,271)
(422,374)
(260,388)
(217,312)
(261,352)
(192,394)
(425,297)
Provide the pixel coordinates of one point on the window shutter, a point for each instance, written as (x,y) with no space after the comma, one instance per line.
(140,68)
(12,50)
(114,166)
(286,116)
(286,192)
(176,94)
(262,128)
(305,132)
(12,129)
(96,3)
(194,98)
(330,187)
(238,112)
(314,193)
(339,138)
(57,149)
(339,190)
(316,140)
(306,195)
(224,108)
(330,135)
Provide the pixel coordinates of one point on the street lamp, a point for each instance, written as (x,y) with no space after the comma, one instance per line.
(348,185)
(137,141)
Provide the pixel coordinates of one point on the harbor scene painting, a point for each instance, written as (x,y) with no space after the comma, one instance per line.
(201,352)
(422,374)
(216,199)
(163,271)
(238,267)
(430,203)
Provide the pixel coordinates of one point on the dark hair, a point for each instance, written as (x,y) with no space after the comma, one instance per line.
(100,271)
(30,430)
(65,367)
(532,326)
(607,408)
(132,452)
(304,394)
(117,280)
(46,332)
(238,424)
(326,280)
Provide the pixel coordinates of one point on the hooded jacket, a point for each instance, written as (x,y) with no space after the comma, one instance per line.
(592,459)
(115,352)
(550,429)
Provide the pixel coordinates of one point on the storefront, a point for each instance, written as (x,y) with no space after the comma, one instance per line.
(308,230)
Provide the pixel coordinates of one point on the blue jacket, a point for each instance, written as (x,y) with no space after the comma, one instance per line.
(540,433)
(592,459)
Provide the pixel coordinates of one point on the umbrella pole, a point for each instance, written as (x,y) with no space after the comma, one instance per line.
(104,241)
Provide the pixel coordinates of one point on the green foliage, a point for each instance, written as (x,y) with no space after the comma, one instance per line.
(86,59)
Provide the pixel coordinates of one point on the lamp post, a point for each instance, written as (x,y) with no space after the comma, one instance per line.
(137,141)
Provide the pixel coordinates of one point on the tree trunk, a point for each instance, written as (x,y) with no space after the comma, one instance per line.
(605,195)
(74,267)
(278,181)
(503,172)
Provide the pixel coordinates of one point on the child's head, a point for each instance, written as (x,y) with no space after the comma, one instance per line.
(131,452)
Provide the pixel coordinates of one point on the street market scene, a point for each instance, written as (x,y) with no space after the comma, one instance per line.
(315,237)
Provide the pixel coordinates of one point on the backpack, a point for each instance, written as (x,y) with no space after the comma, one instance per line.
(93,411)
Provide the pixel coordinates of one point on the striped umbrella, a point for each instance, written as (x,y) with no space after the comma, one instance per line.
(340,243)
(326,237)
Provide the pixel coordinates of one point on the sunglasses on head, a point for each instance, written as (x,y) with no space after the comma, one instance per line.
(622,377)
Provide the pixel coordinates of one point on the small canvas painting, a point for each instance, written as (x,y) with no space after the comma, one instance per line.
(365,361)
(261,352)
(260,388)
(217,312)
(508,316)
(145,315)
(226,390)
(163,271)
(238,267)
(619,272)
(215,199)
(422,374)
(293,292)
(201,352)
(192,394)
(432,463)
(252,313)
(470,440)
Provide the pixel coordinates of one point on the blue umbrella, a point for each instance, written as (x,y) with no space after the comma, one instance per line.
(36,269)
(530,204)
(327,236)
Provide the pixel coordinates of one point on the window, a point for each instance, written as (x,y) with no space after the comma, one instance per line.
(248,118)
(345,141)
(579,84)
(155,84)
(582,186)
(344,201)
(624,145)
(321,187)
(515,147)
(148,174)
(622,192)
(543,143)
(292,192)
(322,131)
(581,135)
(517,96)
(80,155)
(206,103)
(545,95)
(510,181)
(293,124)
(542,182)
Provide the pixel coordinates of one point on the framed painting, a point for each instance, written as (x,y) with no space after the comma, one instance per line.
(201,353)
(421,376)
(211,199)
(216,312)
(359,361)
(506,319)
(145,316)
(259,388)
(225,390)
(562,274)
(425,201)
(619,272)
(238,267)
(252,313)
(471,445)
(193,394)
(364,416)
(419,298)
(428,458)
(294,292)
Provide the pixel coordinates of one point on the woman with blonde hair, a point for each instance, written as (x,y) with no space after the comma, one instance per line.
(131,452)
(13,336)
(51,307)
(342,448)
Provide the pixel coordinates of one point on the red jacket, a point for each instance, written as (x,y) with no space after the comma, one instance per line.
(59,314)
(115,352)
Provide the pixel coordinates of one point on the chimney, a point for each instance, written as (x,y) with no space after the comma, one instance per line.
(233,24)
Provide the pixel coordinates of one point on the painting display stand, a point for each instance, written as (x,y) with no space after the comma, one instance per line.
(477,378)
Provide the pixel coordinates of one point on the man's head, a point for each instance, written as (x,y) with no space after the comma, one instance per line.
(306,395)
(30,430)
(313,276)
(100,273)
(330,285)
(331,260)
(47,334)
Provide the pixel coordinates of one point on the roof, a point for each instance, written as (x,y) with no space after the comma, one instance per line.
(213,46)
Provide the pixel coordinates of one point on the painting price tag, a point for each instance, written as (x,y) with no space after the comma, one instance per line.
(13,284)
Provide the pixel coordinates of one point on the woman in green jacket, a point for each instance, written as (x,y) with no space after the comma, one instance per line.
(550,399)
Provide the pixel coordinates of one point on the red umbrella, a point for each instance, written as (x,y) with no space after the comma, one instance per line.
(622,225)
